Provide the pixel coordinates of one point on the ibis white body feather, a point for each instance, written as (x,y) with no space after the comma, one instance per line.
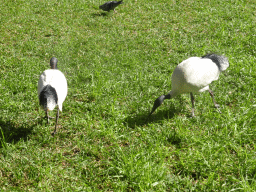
(52,90)
(57,80)
(193,75)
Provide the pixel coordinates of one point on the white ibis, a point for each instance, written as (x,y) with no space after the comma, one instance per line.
(52,90)
(195,74)
(110,5)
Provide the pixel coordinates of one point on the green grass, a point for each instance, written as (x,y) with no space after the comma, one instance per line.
(116,65)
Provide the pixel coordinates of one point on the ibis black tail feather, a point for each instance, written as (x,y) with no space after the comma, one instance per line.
(48,95)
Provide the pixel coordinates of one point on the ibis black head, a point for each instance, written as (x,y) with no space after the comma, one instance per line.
(157,103)
(53,63)
(220,60)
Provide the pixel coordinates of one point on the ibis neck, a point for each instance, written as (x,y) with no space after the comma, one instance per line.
(170,95)
(54,66)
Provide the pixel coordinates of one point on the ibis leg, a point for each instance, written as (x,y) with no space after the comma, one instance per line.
(214,102)
(193,103)
(57,118)
(47,116)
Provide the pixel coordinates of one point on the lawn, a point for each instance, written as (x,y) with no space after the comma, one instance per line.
(116,65)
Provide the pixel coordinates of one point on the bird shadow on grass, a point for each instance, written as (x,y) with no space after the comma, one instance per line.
(171,136)
(12,133)
(144,119)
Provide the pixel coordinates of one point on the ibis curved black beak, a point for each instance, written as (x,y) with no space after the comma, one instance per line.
(157,103)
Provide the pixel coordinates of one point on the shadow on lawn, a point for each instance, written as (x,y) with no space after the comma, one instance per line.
(143,119)
(12,133)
